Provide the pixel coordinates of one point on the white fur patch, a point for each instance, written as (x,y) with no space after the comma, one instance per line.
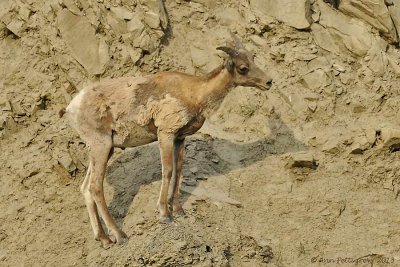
(76,103)
(73,109)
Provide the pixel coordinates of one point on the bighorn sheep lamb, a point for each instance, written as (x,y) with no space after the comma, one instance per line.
(167,106)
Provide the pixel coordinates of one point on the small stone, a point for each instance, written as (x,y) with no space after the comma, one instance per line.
(136,27)
(122,13)
(194,170)
(3,121)
(190,182)
(316,79)
(311,97)
(312,105)
(345,78)
(325,212)
(181,245)
(331,147)
(305,56)
(357,108)
(16,26)
(390,138)
(359,145)
(139,232)
(370,134)
(313,141)
(5,106)
(141,221)
(65,159)
(303,160)
(388,2)
(338,67)
(17,109)
(152,20)
(215,160)
(24,12)
(316,13)
(70,4)
(257,40)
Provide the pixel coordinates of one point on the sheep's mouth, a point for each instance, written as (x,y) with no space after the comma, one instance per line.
(264,87)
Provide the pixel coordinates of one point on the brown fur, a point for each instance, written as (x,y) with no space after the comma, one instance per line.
(167,106)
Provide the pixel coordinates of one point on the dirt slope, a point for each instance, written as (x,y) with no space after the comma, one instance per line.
(333,107)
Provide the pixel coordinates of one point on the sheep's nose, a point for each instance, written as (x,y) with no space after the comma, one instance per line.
(269,82)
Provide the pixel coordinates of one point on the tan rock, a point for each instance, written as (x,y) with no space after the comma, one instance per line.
(157,7)
(64,159)
(377,57)
(359,145)
(346,78)
(390,137)
(316,79)
(370,134)
(302,160)
(324,39)
(204,59)
(70,4)
(152,20)
(394,66)
(257,40)
(373,12)
(135,27)
(118,25)
(295,13)
(332,147)
(16,26)
(228,16)
(90,51)
(344,31)
(122,13)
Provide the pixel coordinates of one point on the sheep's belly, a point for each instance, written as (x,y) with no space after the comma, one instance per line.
(136,135)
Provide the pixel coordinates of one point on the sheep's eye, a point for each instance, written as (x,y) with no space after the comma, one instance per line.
(243,70)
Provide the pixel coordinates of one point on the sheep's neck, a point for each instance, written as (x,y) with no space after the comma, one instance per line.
(216,86)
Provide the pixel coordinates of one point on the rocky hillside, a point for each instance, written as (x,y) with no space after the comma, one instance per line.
(308,170)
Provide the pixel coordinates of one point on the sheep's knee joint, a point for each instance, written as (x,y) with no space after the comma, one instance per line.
(95,189)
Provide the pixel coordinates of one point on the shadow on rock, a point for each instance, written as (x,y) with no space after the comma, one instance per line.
(205,157)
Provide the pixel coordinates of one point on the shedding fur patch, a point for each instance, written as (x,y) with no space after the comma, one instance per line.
(169,114)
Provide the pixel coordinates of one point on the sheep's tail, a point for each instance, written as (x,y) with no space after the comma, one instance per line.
(61,112)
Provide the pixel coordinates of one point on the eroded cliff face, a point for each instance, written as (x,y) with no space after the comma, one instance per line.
(309,168)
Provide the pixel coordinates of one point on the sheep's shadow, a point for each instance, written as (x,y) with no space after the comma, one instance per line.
(141,165)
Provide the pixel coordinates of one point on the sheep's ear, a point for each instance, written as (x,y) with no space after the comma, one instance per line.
(229,50)
(229,65)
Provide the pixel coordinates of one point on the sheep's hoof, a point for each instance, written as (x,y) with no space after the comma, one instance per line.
(106,242)
(119,237)
(165,220)
(179,212)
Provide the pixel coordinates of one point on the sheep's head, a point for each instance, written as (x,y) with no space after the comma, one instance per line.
(241,64)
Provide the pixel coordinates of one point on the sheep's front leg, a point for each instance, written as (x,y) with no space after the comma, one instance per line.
(179,153)
(166,142)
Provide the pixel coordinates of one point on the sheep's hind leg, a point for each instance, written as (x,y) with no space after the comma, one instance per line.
(97,228)
(99,154)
